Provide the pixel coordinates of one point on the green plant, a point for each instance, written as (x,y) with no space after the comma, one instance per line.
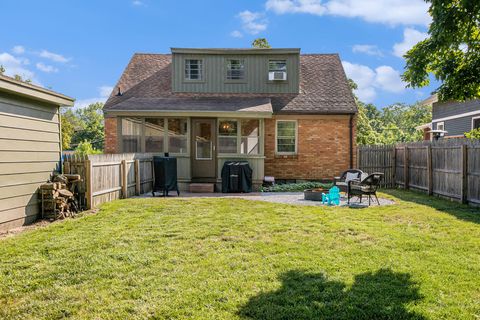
(86,148)
(293,187)
(474,134)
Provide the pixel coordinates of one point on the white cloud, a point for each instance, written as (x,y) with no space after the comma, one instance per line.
(236,34)
(296,6)
(53,56)
(371,50)
(18,50)
(46,68)
(391,12)
(369,81)
(410,38)
(253,22)
(14,65)
(103,94)
(137,3)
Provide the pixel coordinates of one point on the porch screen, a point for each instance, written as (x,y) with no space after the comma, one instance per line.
(131,134)
(227,136)
(250,136)
(177,135)
(154,134)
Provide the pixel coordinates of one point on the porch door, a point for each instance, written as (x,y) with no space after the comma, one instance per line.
(203,148)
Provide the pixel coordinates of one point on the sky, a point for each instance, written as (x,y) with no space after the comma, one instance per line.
(80,47)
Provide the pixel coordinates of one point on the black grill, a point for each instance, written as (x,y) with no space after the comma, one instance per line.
(165,173)
(236,177)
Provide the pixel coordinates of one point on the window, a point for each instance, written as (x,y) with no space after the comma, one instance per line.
(250,137)
(277,65)
(476,123)
(131,134)
(227,136)
(177,135)
(235,69)
(193,69)
(440,125)
(286,137)
(154,134)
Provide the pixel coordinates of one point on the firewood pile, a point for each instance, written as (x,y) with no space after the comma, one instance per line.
(58,197)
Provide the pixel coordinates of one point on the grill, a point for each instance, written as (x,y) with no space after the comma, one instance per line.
(236,177)
(165,175)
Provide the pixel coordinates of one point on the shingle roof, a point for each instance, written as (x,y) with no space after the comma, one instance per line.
(324,88)
(244,104)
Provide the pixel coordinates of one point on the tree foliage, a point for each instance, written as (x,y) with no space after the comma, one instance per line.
(451,52)
(474,134)
(85,148)
(86,124)
(261,43)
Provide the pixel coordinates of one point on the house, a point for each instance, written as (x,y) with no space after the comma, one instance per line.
(30,147)
(453,118)
(290,115)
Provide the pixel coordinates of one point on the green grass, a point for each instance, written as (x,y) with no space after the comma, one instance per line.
(238,259)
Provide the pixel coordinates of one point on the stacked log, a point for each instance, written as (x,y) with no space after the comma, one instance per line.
(58,199)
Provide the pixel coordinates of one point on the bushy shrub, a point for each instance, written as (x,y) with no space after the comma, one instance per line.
(86,148)
(296,187)
(474,134)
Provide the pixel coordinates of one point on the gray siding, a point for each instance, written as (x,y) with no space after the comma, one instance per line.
(458,126)
(29,153)
(256,74)
(452,108)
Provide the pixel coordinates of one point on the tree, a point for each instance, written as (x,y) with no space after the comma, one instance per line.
(85,148)
(474,134)
(451,52)
(86,124)
(261,43)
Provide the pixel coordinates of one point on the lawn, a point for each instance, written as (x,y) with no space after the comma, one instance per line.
(238,259)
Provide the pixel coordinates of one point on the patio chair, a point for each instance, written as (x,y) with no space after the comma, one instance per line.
(366,187)
(342,181)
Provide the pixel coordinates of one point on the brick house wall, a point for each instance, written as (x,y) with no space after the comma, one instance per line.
(111,135)
(323,148)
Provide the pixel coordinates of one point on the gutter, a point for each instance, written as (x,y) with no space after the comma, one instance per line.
(350,127)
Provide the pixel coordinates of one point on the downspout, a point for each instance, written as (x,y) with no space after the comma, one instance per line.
(350,127)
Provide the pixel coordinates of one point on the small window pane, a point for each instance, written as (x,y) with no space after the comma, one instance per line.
(277,65)
(131,134)
(154,134)
(177,135)
(250,137)
(286,136)
(227,128)
(227,144)
(476,123)
(193,69)
(235,69)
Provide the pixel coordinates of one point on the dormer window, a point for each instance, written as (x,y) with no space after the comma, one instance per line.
(277,70)
(193,69)
(235,69)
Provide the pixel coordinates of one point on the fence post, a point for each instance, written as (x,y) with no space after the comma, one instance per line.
(89,183)
(66,167)
(464,173)
(358,157)
(429,170)
(405,168)
(124,179)
(137,177)
(394,166)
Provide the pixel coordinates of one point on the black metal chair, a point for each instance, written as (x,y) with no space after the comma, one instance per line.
(341,182)
(366,187)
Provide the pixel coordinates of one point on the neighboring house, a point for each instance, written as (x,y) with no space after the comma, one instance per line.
(30,147)
(291,116)
(455,118)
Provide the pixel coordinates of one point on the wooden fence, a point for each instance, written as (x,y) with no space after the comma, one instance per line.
(448,168)
(107,177)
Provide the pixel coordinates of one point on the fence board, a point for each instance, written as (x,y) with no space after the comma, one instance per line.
(448,168)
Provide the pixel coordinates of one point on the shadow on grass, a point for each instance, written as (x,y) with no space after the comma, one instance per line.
(460,211)
(379,295)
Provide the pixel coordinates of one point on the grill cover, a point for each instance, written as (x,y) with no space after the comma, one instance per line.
(165,172)
(236,177)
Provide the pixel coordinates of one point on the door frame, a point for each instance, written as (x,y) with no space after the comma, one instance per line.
(193,148)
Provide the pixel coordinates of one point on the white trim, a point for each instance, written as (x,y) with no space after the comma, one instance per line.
(473,121)
(276,138)
(462,115)
(442,123)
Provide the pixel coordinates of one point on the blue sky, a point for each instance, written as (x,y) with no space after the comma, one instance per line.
(80,47)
